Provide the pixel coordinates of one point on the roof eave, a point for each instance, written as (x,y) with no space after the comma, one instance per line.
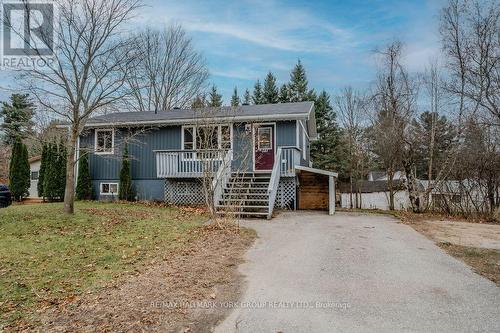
(293,116)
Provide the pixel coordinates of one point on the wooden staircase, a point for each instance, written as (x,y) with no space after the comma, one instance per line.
(245,195)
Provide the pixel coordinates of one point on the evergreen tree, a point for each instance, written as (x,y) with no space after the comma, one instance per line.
(214,98)
(271,94)
(17,118)
(50,182)
(433,136)
(84,183)
(258,97)
(235,99)
(246,97)
(19,171)
(283,97)
(200,101)
(326,152)
(298,84)
(125,187)
(41,172)
(61,170)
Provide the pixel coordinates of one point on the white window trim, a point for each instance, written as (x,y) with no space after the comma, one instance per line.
(102,193)
(219,135)
(96,151)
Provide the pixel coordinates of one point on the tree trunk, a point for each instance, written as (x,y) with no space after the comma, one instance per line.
(69,192)
(390,176)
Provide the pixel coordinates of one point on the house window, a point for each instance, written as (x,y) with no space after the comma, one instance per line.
(225,137)
(104,141)
(188,138)
(264,138)
(109,188)
(207,137)
(34,175)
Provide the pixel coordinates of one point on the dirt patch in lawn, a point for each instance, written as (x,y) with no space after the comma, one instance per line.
(485,236)
(186,292)
(477,244)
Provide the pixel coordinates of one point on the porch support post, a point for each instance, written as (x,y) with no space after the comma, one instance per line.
(331,195)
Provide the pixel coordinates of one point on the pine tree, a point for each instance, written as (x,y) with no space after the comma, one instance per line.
(19,171)
(84,183)
(200,101)
(41,172)
(246,97)
(326,152)
(235,99)
(271,94)
(17,118)
(284,98)
(125,187)
(214,98)
(298,84)
(258,97)
(61,170)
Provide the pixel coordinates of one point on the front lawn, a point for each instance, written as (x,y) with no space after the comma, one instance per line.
(47,257)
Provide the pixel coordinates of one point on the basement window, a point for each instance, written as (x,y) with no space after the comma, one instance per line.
(109,188)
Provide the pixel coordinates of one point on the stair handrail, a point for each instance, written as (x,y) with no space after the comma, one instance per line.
(272,190)
(222,177)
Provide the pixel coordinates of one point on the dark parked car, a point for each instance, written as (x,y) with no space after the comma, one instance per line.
(5,196)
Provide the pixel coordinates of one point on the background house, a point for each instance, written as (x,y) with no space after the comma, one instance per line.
(35,163)
(373,195)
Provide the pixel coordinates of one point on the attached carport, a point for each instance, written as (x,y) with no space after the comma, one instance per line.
(316,189)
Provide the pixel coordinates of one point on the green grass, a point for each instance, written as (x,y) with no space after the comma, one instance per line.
(47,256)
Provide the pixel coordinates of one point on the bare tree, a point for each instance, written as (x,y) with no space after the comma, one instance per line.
(170,72)
(471,41)
(394,103)
(350,107)
(92,60)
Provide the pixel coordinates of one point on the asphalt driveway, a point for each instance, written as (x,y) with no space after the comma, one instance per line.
(310,272)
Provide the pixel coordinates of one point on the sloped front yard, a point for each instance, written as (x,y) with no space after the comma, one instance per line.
(54,267)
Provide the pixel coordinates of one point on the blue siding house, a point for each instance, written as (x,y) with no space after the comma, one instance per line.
(250,153)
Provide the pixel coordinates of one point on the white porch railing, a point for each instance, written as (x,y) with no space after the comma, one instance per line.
(272,190)
(222,177)
(290,157)
(187,163)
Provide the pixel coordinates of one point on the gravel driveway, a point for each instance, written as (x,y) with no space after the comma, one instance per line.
(310,272)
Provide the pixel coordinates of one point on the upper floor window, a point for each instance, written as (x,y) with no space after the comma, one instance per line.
(104,141)
(210,137)
(34,175)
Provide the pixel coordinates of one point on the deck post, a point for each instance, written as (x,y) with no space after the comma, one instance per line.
(331,195)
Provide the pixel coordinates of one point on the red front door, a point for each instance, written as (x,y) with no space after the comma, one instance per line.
(264,147)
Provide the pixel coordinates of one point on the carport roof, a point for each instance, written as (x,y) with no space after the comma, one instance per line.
(319,171)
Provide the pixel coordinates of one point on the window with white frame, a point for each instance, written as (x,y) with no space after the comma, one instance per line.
(188,138)
(206,137)
(109,188)
(34,175)
(104,141)
(225,137)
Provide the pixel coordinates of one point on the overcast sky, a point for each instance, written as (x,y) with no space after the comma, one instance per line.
(243,40)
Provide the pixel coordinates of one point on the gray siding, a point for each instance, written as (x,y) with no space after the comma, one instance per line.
(106,168)
(141,150)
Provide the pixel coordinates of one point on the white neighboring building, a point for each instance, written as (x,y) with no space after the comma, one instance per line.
(374,195)
(35,163)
